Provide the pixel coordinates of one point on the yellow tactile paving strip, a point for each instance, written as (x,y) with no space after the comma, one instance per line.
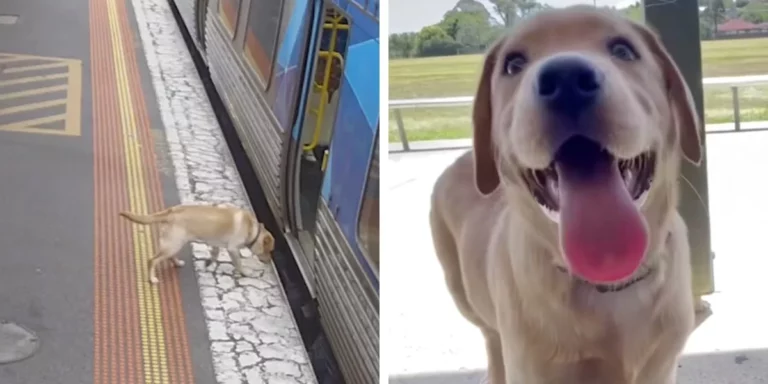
(139,329)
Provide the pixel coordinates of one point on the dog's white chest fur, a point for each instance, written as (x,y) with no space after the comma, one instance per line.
(626,307)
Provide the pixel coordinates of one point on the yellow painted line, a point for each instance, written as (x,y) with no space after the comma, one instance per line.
(72,126)
(33,57)
(38,67)
(32,106)
(39,131)
(32,79)
(29,125)
(11,59)
(33,92)
(150,314)
(71,100)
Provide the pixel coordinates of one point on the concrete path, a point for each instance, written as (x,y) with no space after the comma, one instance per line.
(429,342)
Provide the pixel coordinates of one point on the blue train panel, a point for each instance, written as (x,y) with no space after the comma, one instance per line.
(364,19)
(289,62)
(355,128)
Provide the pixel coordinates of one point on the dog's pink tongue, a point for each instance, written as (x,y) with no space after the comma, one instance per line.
(602,233)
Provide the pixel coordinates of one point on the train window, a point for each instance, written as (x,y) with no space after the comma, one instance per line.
(229,10)
(261,35)
(368,222)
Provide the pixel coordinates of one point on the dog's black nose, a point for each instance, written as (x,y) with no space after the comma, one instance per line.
(568,84)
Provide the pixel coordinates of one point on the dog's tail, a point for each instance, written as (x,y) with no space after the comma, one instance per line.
(157,217)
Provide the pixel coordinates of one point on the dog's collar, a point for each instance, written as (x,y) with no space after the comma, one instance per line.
(604,288)
(255,238)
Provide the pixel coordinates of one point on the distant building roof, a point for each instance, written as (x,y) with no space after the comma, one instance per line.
(735,25)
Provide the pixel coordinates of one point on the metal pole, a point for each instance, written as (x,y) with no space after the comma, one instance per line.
(401,130)
(736,109)
(678,25)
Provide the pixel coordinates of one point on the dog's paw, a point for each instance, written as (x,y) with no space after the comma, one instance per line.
(244,273)
(154,280)
(701,306)
(179,262)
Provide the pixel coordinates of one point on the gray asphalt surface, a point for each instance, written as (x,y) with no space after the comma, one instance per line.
(46,212)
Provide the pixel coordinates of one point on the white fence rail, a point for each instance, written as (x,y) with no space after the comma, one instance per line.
(733,81)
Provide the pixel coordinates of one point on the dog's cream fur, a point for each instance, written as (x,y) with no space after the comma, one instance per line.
(223,227)
(499,252)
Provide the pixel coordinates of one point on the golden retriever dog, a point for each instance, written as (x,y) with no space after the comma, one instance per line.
(558,233)
(224,227)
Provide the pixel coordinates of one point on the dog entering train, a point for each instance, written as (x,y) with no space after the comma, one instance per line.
(559,234)
(225,227)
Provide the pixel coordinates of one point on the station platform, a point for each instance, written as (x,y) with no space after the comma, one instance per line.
(729,347)
(101,111)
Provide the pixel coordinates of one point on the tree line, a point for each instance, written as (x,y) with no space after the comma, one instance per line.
(717,12)
(469,27)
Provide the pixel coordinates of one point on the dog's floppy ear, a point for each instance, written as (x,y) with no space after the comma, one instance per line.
(269,240)
(688,122)
(486,171)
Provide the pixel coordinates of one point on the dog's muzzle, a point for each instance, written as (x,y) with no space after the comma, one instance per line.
(568,85)
(593,195)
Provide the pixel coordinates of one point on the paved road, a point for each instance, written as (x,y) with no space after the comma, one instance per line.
(52,280)
(429,342)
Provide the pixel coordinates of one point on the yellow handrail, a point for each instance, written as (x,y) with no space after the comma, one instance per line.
(333,55)
(324,163)
(329,55)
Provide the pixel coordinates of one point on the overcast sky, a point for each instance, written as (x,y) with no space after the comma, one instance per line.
(412,15)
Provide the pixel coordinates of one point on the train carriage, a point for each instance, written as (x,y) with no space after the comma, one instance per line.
(300,80)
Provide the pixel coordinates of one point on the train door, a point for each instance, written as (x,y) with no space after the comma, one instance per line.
(313,129)
(346,259)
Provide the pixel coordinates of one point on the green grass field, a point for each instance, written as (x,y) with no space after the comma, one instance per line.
(457,76)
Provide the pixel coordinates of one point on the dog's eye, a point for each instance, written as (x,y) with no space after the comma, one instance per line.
(514,63)
(622,49)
